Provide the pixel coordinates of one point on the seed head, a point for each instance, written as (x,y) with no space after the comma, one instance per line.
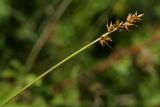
(104,40)
(120,25)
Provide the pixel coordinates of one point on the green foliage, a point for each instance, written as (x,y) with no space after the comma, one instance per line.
(128,75)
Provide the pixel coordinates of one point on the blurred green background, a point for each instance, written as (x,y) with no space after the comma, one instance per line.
(36,34)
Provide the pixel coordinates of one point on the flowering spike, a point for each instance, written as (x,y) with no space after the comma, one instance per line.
(120,25)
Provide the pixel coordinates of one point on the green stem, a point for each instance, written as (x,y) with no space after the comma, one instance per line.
(48,71)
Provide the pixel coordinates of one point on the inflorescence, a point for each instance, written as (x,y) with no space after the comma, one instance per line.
(131,20)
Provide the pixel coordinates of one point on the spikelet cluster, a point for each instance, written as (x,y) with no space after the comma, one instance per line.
(131,20)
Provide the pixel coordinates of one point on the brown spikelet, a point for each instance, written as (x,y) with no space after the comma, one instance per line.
(120,25)
(110,27)
(129,17)
(104,40)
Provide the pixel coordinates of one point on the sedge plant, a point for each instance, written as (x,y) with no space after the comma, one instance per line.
(131,20)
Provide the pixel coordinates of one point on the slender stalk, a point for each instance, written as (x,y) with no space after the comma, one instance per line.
(48,71)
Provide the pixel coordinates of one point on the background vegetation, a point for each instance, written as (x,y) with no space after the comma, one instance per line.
(36,34)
